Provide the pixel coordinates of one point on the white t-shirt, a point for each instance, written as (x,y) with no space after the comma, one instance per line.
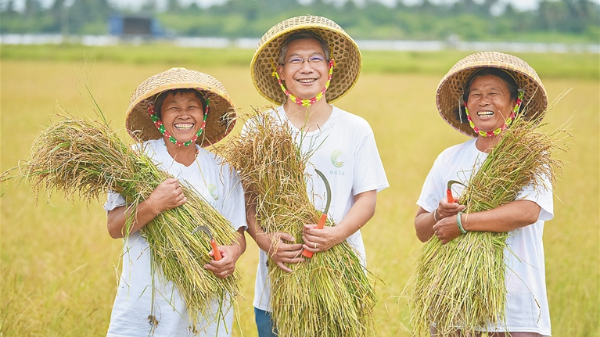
(134,304)
(526,301)
(347,155)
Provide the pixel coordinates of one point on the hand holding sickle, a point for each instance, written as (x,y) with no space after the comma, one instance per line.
(323,219)
(224,264)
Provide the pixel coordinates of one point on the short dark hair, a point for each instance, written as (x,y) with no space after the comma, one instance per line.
(302,35)
(511,84)
(160,99)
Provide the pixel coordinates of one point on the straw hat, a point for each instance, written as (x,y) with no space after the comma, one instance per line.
(452,86)
(220,119)
(343,50)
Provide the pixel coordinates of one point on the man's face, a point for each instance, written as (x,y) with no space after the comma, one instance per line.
(305,70)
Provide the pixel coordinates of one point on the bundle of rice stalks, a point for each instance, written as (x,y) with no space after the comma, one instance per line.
(328,295)
(85,159)
(461,285)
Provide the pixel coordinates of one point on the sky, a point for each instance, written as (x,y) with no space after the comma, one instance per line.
(518,4)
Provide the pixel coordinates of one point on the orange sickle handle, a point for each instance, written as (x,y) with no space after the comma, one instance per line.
(449,190)
(449,195)
(320,225)
(216,251)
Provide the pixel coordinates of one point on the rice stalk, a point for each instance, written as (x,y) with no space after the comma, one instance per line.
(460,286)
(85,159)
(328,295)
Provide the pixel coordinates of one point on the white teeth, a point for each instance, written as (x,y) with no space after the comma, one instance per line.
(485,113)
(184,126)
(308,80)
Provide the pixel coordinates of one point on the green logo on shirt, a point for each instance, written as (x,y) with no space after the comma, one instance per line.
(334,156)
(212,189)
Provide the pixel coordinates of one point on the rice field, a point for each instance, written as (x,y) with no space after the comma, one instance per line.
(59,265)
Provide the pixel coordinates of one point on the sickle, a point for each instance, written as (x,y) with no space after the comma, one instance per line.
(449,191)
(323,219)
(213,243)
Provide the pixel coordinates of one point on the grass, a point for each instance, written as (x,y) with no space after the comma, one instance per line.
(580,66)
(59,263)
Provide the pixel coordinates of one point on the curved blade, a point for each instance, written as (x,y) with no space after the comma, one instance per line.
(203,229)
(328,188)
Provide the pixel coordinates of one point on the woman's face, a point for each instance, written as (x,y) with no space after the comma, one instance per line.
(182,115)
(489,102)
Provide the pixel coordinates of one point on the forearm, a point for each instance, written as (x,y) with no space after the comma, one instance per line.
(262,240)
(240,242)
(117,217)
(516,214)
(424,222)
(359,214)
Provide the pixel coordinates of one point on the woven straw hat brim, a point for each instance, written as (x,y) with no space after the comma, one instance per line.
(221,116)
(344,51)
(451,87)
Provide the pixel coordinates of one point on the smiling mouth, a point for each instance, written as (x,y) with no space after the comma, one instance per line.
(485,113)
(184,126)
(307,80)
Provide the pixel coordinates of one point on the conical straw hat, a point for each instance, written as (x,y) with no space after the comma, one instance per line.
(344,51)
(220,119)
(451,87)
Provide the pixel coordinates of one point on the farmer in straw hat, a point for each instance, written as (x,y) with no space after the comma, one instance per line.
(480,97)
(303,64)
(175,113)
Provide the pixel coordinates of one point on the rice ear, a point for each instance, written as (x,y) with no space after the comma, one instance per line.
(329,295)
(85,159)
(461,285)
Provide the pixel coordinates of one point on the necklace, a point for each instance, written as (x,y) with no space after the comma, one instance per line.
(307,102)
(504,126)
(159,125)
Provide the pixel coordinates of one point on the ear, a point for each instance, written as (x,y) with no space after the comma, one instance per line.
(280,72)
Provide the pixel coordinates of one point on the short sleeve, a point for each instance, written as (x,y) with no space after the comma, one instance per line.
(234,206)
(431,193)
(369,173)
(540,192)
(113,201)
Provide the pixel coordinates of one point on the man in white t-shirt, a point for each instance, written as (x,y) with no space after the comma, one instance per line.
(310,71)
(493,88)
(176,113)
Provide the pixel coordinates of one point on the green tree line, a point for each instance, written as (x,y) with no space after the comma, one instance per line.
(490,20)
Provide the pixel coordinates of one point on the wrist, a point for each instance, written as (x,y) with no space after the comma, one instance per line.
(264,241)
(459,223)
(149,204)
(340,233)
(237,250)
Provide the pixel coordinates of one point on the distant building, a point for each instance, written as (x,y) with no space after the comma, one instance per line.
(130,26)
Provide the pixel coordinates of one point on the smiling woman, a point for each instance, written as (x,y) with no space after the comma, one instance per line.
(181,117)
(509,175)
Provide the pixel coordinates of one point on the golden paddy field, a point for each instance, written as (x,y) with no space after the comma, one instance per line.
(60,267)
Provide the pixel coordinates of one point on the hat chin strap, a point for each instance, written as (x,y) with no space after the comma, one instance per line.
(504,126)
(307,102)
(159,125)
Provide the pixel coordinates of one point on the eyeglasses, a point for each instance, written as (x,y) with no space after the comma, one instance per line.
(314,60)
